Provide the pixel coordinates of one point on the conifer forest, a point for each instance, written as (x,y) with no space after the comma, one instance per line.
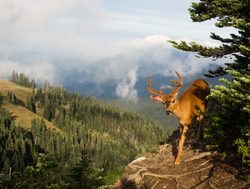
(86,134)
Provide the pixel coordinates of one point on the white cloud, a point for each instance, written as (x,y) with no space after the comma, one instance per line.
(88,30)
(151,55)
(40,71)
(191,66)
(49,26)
(126,88)
(146,42)
(150,51)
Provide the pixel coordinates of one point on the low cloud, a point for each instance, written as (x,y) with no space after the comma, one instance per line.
(146,54)
(151,55)
(191,66)
(40,71)
(139,57)
(126,88)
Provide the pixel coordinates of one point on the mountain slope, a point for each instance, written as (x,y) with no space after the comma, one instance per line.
(21,115)
(145,107)
(70,127)
(22,93)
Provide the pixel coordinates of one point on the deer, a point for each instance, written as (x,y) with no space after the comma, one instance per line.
(187,108)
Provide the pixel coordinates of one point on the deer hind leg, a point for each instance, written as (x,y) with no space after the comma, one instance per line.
(181,143)
(199,121)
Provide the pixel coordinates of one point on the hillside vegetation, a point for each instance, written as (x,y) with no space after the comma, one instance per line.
(22,93)
(145,107)
(50,124)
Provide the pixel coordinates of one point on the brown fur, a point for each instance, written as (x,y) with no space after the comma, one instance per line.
(187,107)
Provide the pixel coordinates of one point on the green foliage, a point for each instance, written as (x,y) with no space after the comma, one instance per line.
(49,173)
(30,104)
(230,124)
(243,148)
(145,108)
(48,111)
(229,131)
(85,176)
(44,162)
(16,149)
(113,176)
(41,175)
(11,97)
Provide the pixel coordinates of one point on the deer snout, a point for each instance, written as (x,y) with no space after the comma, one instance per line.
(168,112)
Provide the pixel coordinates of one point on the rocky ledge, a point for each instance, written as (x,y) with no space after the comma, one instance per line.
(198,170)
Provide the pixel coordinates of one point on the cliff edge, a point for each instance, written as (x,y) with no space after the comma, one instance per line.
(198,170)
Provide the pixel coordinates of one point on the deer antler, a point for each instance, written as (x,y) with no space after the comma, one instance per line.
(152,91)
(178,82)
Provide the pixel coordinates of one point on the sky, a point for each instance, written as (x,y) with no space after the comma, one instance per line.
(45,38)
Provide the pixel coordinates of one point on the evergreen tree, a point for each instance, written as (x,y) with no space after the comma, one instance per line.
(14,77)
(230,127)
(49,110)
(12,97)
(31,104)
(85,175)
(230,13)
(22,79)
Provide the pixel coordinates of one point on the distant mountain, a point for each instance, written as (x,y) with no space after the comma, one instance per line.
(107,89)
(101,78)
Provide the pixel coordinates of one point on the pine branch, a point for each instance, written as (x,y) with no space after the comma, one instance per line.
(215,52)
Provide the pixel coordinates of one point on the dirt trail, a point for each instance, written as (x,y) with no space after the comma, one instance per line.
(198,170)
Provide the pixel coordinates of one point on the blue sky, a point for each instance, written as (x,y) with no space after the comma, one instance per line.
(90,31)
(139,18)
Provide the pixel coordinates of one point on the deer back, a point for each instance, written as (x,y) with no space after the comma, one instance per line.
(194,98)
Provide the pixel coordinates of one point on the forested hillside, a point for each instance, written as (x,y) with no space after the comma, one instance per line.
(49,129)
(145,107)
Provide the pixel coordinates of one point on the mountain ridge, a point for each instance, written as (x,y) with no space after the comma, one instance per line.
(107,89)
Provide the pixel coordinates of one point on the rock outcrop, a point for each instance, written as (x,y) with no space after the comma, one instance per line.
(198,170)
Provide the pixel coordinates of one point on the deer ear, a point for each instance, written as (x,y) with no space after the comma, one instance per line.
(157,99)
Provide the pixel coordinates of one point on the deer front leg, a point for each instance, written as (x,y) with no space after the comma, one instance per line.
(180,128)
(181,143)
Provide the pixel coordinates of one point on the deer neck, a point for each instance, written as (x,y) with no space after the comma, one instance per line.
(177,109)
